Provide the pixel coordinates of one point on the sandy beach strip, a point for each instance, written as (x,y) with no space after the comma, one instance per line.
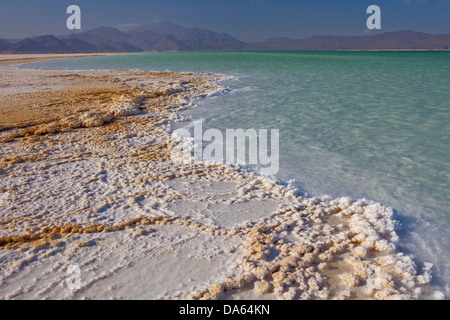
(10,60)
(94,205)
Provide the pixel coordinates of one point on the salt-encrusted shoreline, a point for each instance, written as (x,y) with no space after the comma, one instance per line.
(97,189)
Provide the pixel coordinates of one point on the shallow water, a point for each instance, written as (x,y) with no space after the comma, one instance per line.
(369,125)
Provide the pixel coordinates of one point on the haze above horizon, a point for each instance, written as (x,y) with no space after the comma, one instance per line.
(246,20)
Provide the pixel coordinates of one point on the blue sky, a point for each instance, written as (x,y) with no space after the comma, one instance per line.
(247,20)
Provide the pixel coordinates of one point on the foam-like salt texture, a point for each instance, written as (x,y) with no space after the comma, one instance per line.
(107,197)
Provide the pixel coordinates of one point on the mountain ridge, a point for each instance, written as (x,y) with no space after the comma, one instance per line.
(167,36)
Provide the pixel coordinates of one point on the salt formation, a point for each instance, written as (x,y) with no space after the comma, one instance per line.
(125,109)
(104,194)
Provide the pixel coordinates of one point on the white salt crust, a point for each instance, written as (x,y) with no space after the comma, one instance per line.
(107,198)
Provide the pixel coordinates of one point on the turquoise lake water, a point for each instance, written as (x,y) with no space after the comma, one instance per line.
(372,125)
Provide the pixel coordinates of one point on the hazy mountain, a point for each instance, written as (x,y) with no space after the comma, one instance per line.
(26,46)
(52,44)
(105,39)
(201,39)
(402,40)
(191,39)
(107,33)
(80,46)
(4,45)
(164,27)
(151,41)
(166,36)
(157,36)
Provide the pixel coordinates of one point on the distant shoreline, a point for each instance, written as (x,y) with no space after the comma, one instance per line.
(13,59)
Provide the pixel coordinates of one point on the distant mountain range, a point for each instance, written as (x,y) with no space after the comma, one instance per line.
(166,36)
(400,40)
